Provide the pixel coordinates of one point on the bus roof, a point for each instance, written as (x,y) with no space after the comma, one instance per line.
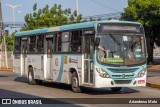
(69,27)
(32,32)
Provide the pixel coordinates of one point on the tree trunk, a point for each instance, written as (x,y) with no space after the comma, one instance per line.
(150,55)
(150,39)
(150,47)
(150,52)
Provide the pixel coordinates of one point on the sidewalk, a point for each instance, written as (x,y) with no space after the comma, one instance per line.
(156,67)
(154,81)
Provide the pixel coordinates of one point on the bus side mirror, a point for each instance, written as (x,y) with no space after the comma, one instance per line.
(97,41)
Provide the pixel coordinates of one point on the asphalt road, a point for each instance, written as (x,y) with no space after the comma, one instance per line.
(12,86)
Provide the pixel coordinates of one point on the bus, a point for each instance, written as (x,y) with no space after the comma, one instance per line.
(96,54)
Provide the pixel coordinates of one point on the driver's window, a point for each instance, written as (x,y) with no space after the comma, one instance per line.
(91,47)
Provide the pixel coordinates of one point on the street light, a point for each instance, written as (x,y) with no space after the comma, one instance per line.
(77,6)
(13,7)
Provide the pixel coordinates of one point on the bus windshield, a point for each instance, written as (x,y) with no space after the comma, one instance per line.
(121,49)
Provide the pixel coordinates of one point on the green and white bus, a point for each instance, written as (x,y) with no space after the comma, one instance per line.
(96,54)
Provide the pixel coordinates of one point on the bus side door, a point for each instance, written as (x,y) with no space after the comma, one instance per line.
(24,55)
(49,51)
(88,51)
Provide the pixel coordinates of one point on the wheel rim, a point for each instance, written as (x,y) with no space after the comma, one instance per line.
(74,82)
(30,76)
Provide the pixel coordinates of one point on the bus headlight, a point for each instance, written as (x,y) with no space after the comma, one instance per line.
(142,73)
(102,73)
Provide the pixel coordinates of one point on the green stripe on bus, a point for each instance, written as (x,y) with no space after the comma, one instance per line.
(61,69)
(113,60)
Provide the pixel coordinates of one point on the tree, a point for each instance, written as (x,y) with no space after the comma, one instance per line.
(9,41)
(49,17)
(146,12)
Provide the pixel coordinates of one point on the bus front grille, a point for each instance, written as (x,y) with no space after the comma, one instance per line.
(122,81)
(123,70)
(120,76)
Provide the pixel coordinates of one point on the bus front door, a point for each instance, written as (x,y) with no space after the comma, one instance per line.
(49,72)
(24,55)
(88,50)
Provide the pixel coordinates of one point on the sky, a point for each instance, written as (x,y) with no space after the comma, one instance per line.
(86,7)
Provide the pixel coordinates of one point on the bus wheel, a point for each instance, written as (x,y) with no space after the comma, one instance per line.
(116,89)
(75,83)
(38,82)
(31,77)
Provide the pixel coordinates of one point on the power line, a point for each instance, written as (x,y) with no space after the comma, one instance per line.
(110,8)
(104,16)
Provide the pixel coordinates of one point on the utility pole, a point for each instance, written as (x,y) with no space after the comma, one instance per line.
(77,6)
(3,57)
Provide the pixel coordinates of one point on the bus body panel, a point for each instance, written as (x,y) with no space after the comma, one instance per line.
(62,65)
(116,78)
(36,62)
(17,64)
(107,82)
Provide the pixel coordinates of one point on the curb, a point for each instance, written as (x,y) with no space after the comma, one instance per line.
(6,69)
(153,67)
(153,85)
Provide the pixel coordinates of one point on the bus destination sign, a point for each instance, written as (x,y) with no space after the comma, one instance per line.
(113,27)
(88,32)
(103,28)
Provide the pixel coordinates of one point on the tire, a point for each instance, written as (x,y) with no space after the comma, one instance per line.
(116,89)
(38,82)
(31,79)
(75,83)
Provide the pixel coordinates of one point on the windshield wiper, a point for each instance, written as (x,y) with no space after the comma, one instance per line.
(114,39)
(122,52)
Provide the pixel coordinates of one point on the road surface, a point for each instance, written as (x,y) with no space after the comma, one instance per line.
(12,86)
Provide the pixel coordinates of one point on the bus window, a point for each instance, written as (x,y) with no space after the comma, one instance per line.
(49,45)
(32,44)
(39,42)
(58,42)
(76,41)
(65,42)
(17,45)
(62,42)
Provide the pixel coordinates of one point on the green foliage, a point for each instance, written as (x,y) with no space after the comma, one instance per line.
(146,12)
(49,17)
(9,41)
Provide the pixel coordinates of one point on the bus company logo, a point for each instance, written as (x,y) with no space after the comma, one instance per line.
(56,61)
(123,75)
(6,101)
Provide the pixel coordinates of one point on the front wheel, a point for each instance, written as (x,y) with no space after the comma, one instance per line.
(75,83)
(116,89)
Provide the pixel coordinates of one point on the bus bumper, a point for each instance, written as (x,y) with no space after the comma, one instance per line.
(109,82)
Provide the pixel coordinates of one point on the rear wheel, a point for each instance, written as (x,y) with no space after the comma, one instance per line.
(31,79)
(116,89)
(75,83)
(38,82)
